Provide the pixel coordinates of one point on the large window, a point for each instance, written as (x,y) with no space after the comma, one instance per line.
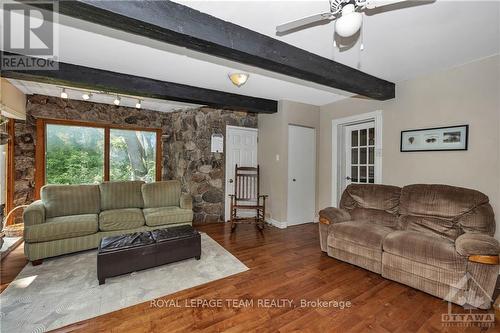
(132,155)
(83,153)
(74,154)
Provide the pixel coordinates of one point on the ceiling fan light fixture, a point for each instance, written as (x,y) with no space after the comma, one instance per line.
(349,23)
(238,79)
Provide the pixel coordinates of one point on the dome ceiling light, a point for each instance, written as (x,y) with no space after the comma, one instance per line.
(238,79)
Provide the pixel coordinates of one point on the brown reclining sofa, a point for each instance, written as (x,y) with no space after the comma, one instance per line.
(435,238)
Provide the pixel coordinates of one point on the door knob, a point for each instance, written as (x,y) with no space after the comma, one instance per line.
(294,179)
(230,180)
(348,178)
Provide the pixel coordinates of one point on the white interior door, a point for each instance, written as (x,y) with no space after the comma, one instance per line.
(360,148)
(301,174)
(241,149)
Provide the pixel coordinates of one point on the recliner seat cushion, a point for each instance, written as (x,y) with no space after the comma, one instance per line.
(167,215)
(362,233)
(62,227)
(161,194)
(120,219)
(118,195)
(432,250)
(64,200)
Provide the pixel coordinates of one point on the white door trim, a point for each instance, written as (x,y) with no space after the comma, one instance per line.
(226,163)
(338,141)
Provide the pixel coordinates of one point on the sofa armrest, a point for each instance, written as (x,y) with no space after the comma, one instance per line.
(186,201)
(333,215)
(34,214)
(479,248)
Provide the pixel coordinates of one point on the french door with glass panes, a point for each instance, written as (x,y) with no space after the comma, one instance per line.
(360,154)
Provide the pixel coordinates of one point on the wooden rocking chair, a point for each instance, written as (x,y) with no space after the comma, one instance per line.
(247,197)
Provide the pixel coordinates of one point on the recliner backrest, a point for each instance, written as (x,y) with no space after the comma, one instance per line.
(372,202)
(445,211)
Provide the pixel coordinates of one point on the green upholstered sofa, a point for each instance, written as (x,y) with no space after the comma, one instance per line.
(71,218)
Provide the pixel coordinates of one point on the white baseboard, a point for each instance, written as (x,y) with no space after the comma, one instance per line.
(277,224)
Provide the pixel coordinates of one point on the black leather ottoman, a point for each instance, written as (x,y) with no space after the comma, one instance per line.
(124,254)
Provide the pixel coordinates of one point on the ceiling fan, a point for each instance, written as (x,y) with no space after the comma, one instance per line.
(345,12)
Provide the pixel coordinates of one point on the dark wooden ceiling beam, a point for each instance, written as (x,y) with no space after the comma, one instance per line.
(180,25)
(119,83)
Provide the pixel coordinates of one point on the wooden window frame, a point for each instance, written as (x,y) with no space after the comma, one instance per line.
(11,170)
(40,149)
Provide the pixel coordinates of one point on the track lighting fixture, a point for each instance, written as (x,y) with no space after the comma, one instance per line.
(64,94)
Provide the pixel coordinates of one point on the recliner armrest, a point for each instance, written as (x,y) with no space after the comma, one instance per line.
(34,214)
(186,201)
(333,215)
(480,248)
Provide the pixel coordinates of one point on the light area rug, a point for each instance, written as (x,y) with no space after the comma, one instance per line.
(65,290)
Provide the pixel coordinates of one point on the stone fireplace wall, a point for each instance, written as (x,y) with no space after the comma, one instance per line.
(185,145)
(201,172)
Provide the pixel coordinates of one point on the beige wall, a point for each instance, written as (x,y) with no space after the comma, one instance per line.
(465,95)
(12,100)
(273,140)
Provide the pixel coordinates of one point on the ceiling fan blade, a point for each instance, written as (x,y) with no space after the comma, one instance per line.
(372,4)
(304,21)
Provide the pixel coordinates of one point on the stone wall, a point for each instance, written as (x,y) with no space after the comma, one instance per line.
(185,151)
(201,172)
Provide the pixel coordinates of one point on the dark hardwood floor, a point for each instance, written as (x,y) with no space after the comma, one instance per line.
(284,264)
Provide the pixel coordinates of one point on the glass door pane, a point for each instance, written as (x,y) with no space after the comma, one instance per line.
(74,154)
(360,148)
(132,155)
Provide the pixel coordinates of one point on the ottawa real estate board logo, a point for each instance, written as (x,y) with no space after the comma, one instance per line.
(29,35)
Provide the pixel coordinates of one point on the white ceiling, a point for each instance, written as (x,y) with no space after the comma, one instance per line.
(399,45)
(29,88)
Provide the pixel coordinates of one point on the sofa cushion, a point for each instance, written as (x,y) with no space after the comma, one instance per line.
(444,210)
(375,216)
(61,227)
(117,195)
(432,226)
(120,219)
(371,196)
(441,201)
(167,215)
(161,194)
(363,233)
(63,200)
(432,250)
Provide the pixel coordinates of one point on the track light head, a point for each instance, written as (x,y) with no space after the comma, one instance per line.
(64,94)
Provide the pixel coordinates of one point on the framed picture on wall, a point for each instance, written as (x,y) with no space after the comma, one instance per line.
(439,139)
